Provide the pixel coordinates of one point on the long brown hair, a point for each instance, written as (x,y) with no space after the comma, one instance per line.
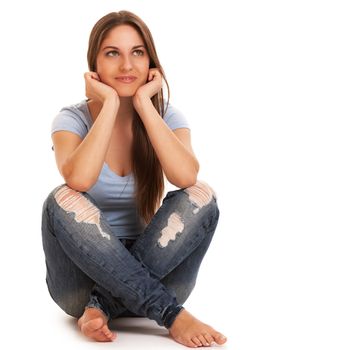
(148,173)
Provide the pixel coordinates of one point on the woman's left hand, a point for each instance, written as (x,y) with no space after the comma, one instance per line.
(152,87)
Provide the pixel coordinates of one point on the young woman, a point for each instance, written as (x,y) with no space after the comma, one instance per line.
(111,249)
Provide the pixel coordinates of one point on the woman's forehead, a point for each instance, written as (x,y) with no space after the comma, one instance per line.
(123,36)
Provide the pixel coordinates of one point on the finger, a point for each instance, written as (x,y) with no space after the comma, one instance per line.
(92,75)
(95,76)
(157,76)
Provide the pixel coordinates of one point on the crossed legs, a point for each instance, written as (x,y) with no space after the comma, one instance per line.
(153,279)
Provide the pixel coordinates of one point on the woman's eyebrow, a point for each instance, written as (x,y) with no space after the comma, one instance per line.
(114,47)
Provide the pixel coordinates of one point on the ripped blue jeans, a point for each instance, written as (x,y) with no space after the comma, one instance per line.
(87,266)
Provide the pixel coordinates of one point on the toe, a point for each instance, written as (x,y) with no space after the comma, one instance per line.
(106,331)
(219,338)
(203,340)
(196,341)
(210,340)
(113,336)
(93,330)
(186,342)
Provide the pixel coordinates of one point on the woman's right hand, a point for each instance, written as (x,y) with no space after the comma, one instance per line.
(96,90)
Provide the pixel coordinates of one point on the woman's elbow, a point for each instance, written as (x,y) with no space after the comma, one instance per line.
(78,182)
(185,181)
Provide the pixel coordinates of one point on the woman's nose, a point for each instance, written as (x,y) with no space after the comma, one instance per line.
(126,64)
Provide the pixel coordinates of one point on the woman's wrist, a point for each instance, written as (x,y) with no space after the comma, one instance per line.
(140,101)
(112,101)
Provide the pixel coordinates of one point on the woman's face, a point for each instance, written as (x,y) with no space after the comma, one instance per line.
(123,61)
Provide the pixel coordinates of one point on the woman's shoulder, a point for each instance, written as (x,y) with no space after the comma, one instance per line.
(73,117)
(78,109)
(174,117)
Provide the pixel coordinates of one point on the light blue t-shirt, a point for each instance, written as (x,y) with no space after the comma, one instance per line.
(114,194)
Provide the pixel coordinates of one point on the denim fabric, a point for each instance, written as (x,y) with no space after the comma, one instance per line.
(87,266)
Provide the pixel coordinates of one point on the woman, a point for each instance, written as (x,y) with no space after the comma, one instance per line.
(112,151)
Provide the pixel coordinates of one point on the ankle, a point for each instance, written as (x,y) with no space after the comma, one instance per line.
(172,315)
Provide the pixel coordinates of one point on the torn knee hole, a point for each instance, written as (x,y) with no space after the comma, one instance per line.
(200,194)
(84,211)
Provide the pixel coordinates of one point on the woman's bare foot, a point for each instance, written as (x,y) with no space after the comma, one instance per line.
(93,324)
(189,331)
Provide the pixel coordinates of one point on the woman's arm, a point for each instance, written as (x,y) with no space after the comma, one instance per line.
(80,161)
(173,148)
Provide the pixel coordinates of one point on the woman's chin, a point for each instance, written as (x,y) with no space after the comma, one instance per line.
(125,95)
(125,92)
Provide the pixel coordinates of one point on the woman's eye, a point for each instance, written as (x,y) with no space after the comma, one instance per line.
(115,53)
(111,53)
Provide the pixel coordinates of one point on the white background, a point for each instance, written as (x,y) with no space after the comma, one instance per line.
(265,87)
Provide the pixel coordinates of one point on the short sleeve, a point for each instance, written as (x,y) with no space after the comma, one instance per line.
(175,118)
(70,120)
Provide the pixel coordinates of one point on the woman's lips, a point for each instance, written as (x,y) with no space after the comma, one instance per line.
(126,79)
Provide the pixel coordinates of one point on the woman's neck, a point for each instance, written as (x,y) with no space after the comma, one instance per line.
(126,111)
(125,115)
